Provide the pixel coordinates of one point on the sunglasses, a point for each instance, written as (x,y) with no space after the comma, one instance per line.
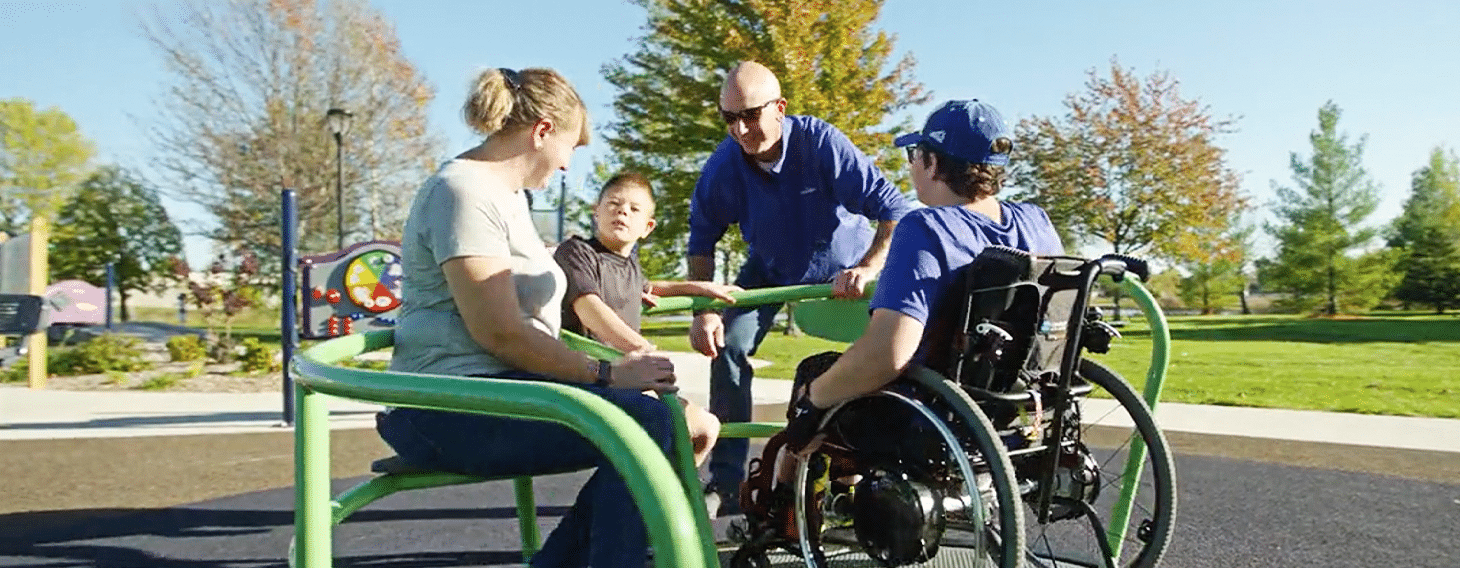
(911,150)
(749,115)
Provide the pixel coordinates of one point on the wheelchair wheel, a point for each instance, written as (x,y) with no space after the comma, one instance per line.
(1096,478)
(931,501)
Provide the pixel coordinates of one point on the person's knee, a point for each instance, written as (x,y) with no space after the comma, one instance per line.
(656,420)
(704,426)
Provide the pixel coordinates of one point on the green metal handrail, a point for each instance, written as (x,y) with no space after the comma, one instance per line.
(754,297)
(665,506)
(1155,379)
(621,439)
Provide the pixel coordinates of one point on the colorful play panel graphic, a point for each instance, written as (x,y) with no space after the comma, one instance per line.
(373,281)
(352,290)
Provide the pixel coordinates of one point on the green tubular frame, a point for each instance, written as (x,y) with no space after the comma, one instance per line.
(676,541)
(1155,379)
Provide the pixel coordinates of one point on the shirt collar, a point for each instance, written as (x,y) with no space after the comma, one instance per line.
(786,124)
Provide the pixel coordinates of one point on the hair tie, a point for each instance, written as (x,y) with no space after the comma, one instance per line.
(514,79)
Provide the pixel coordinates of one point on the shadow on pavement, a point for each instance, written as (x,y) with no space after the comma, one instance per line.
(169,420)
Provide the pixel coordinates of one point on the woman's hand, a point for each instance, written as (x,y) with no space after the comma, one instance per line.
(641,371)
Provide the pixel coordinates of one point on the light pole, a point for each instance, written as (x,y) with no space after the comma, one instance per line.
(339,123)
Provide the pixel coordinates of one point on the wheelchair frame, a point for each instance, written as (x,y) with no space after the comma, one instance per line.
(1057,442)
(678,540)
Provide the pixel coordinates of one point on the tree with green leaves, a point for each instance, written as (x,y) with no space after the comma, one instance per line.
(1427,235)
(42,157)
(248,85)
(1214,276)
(832,63)
(114,218)
(1321,261)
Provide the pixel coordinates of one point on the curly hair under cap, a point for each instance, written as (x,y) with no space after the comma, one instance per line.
(973,181)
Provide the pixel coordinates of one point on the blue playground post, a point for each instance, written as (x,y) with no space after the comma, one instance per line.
(288,335)
(111,283)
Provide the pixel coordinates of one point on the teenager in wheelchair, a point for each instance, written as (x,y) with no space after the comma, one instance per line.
(959,429)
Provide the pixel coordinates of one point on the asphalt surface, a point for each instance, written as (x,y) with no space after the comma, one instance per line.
(227,501)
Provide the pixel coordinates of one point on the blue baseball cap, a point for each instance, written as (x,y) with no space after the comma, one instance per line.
(965,130)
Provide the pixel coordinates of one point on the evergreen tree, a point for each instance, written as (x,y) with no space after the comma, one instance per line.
(114,218)
(1427,235)
(1320,260)
(831,62)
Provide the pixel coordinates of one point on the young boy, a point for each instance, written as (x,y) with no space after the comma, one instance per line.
(607,287)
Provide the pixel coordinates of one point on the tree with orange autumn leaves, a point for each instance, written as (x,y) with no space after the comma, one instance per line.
(1135,166)
(242,115)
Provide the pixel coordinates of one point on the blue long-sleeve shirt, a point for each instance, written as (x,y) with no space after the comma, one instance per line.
(806,219)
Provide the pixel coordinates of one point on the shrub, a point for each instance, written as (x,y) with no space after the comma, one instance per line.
(186,348)
(106,352)
(258,357)
(161,382)
(17,372)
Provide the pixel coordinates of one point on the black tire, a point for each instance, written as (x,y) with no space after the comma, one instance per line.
(1110,429)
(997,543)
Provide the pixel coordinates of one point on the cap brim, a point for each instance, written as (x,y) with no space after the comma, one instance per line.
(908,139)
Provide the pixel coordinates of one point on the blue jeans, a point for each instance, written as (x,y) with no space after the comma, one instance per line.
(730,376)
(603,528)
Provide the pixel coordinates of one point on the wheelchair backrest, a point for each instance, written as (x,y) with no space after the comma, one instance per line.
(1000,326)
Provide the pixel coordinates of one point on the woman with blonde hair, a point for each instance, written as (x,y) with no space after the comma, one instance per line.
(482,297)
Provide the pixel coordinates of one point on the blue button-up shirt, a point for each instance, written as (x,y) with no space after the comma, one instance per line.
(804,220)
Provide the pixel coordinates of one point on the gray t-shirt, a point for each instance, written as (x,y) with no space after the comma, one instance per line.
(462,211)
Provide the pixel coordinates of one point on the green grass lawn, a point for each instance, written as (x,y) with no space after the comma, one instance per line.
(1382,364)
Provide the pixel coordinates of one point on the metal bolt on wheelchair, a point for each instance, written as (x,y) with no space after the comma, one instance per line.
(1008,449)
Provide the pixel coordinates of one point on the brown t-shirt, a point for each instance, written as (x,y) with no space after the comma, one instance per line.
(591,268)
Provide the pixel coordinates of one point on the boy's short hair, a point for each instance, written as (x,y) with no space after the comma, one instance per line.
(626,179)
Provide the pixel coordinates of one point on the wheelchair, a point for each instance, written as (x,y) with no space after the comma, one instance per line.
(1007,449)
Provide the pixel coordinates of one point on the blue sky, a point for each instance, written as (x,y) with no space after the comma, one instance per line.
(1395,70)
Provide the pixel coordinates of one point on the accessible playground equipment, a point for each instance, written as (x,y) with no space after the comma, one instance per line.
(1063,467)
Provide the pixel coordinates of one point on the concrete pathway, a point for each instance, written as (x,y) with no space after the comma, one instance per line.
(51,414)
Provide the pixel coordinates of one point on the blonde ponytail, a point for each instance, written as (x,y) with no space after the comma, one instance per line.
(503,100)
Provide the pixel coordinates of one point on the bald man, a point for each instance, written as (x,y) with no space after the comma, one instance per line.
(802,195)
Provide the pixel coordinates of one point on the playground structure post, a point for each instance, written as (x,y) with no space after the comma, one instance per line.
(111,284)
(562,207)
(40,236)
(288,335)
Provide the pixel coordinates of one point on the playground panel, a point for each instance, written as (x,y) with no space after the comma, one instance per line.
(353,290)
